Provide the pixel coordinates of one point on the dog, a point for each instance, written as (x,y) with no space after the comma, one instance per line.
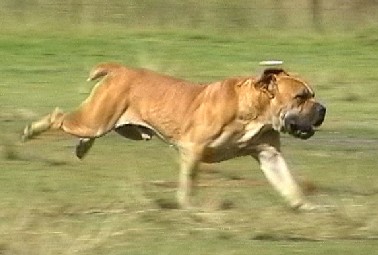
(239,116)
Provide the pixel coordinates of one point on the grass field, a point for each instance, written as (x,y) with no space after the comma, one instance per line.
(119,199)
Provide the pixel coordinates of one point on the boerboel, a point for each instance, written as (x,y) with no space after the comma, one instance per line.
(240,116)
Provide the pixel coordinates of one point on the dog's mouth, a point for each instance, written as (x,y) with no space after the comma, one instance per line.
(301,125)
(300,131)
(297,126)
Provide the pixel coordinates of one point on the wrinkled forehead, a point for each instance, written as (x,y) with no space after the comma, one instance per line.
(295,85)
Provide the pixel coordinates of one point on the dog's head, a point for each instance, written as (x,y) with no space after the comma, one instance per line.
(292,103)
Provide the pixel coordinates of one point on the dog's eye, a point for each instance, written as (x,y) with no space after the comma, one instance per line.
(301,97)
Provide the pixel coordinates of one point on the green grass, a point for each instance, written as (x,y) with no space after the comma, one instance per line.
(110,203)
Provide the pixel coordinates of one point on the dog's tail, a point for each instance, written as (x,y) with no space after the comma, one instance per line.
(101,70)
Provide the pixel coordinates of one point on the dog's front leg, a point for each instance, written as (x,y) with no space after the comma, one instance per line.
(189,161)
(275,169)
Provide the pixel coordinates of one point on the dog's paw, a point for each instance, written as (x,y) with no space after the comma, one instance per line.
(83,147)
(27,133)
(310,207)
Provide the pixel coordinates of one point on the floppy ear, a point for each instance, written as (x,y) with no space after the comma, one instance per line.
(276,71)
(268,81)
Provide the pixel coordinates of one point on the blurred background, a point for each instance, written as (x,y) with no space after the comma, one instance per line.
(241,15)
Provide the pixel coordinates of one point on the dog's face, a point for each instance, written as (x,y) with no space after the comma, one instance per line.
(292,104)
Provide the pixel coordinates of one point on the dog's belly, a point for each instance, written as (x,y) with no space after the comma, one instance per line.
(228,145)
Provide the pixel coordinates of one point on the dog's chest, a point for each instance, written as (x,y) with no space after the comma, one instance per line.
(233,144)
(237,137)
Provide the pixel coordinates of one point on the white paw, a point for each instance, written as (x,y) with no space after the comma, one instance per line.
(310,207)
(27,134)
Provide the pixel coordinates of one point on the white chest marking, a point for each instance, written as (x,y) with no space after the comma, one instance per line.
(251,131)
(232,138)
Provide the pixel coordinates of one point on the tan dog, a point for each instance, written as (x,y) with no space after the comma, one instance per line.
(206,123)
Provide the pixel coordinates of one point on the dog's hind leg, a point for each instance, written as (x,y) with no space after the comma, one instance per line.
(58,120)
(72,123)
(51,121)
(83,147)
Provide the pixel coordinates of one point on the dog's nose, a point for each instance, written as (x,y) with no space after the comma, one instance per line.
(321,110)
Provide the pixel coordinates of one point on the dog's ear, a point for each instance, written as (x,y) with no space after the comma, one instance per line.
(267,83)
(275,71)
